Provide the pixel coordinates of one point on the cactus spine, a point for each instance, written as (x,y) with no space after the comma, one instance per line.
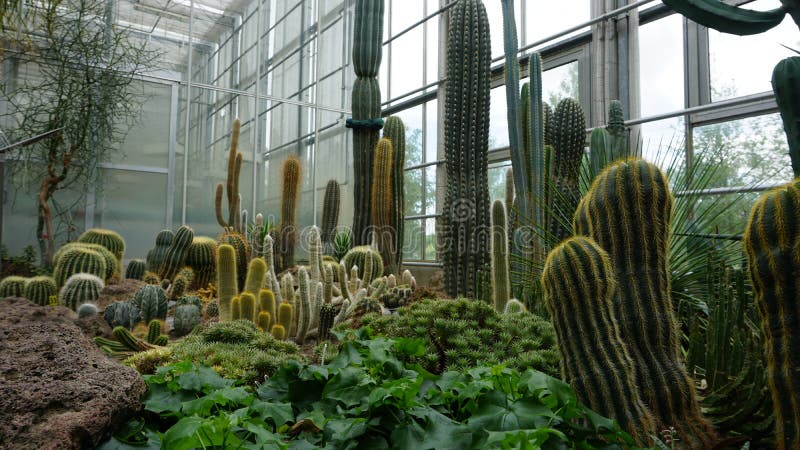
(330,211)
(264,321)
(135,269)
(366,107)
(231,186)
(501,290)
(156,255)
(227,287)
(278,332)
(628,212)
(12,286)
(256,275)
(466,132)
(395,131)
(773,256)
(38,289)
(570,135)
(80,288)
(247,305)
(152,303)
(785,81)
(79,260)
(176,253)
(381,207)
(289,194)
(580,285)
(201,257)
(239,243)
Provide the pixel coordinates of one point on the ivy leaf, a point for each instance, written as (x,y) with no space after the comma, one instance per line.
(348,355)
(222,397)
(202,379)
(436,431)
(160,399)
(350,386)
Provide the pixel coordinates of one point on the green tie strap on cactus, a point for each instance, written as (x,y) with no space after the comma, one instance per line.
(288,227)
(501,290)
(153,331)
(786,85)
(135,269)
(201,257)
(227,287)
(628,213)
(239,242)
(278,332)
(79,289)
(368,124)
(79,259)
(330,211)
(124,314)
(395,131)
(264,321)
(772,245)
(579,286)
(156,255)
(381,204)
(38,289)
(357,257)
(466,142)
(256,276)
(152,303)
(12,286)
(231,186)
(175,257)
(247,305)
(727,18)
(111,240)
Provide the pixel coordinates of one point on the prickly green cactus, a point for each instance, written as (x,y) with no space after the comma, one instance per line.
(227,287)
(628,212)
(264,321)
(599,150)
(124,314)
(328,283)
(153,331)
(201,258)
(357,257)
(151,278)
(501,290)
(12,286)
(549,124)
(256,235)
(466,141)
(396,297)
(785,82)
(732,19)
(236,308)
(314,259)
(272,279)
(156,256)
(304,306)
(289,196)
(135,269)
(266,303)
(79,289)
(568,149)
(285,315)
(366,306)
(381,202)
(247,305)
(278,332)
(617,131)
(179,285)
(175,257)
(239,242)
(37,289)
(256,275)
(773,257)
(190,300)
(212,309)
(231,186)
(78,260)
(395,131)
(87,310)
(152,303)
(111,240)
(408,279)
(580,286)
(185,319)
(130,341)
(514,306)
(326,317)
(330,211)
(111,263)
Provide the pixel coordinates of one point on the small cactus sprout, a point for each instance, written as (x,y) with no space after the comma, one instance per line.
(185,319)
(87,310)
(278,332)
(247,305)
(408,279)
(212,310)
(285,315)
(266,303)
(151,278)
(153,331)
(236,308)
(514,306)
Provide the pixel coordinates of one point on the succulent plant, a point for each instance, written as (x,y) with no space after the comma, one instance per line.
(156,255)
(289,197)
(37,289)
(239,243)
(87,310)
(201,257)
(112,267)
(395,131)
(79,259)
(124,314)
(135,269)
(12,286)
(232,183)
(227,287)
(80,288)
(356,257)
(256,276)
(175,257)
(152,303)
(330,211)
(108,239)
(186,318)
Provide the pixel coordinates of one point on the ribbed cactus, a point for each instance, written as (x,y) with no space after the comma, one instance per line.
(303,305)
(239,243)
(175,257)
(785,82)
(599,150)
(247,302)
(130,341)
(466,216)
(285,315)
(381,203)
(617,131)
(152,303)
(314,259)
(628,212)
(201,257)
(190,300)
(256,276)
(289,196)
(501,289)
(37,289)
(549,123)
(153,331)
(568,149)
(256,237)
(135,269)
(272,279)
(231,186)
(264,321)
(79,259)
(580,286)
(111,263)
(366,108)
(236,308)
(12,286)
(156,256)
(179,286)
(227,287)
(186,317)
(87,310)
(772,244)
(287,291)
(266,303)
(278,332)
(357,257)
(327,281)
(330,211)
(80,288)
(395,131)
(124,314)
(326,317)
(514,306)
(151,278)
(111,240)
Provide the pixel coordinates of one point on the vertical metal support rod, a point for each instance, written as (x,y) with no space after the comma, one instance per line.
(256,102)
(184,188)
(317,117)
(173,137)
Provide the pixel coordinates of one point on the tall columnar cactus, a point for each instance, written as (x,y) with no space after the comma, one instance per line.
(772,244)
(108,239)
(330,211)
(80,288)
(304,306)
(247,302)
(231,186)
(580,285)
(395,131)
(39,289)
(124,314)
(256,275)
(152,303)
(466,216)
(617,131)
(326,317)
(628,212)
(314,259)
(156,255)
(135,269)
(239,242)
(366,106)
(786,85)
(381,208)
(201,257)
(599,150)
(568,149)
(175,257)
(236,308)
(79,260)
(256,237)
(289,195)
(272,279)
(501,290)
(227,287)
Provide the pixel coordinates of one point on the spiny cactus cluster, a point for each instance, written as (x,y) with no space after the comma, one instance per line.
(78,259)
(156,255)
(357,257)
(124,314)
(175,256)
(112,267)
(201,257)
(231,186)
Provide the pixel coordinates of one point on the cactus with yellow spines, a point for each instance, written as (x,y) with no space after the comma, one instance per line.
(39,289)
(256,275)
(580,286)
(135,269)
(179,286)
(514,306)
(356,256)
(288,226)
(330,211)
(264,321)
(287,291)
(266,303)
(628,212)
(381,208)
(239,243)
(327,280)
(501,289)
(79,259)
(231,186)
(278,331)
(285,315)
(395,131)
(568,149)
(772,245)
(175,257)
(236,308)
(112,265)
(201,257)
(247,306)
(303,305)
(80,288)
(109,239)
(227,287)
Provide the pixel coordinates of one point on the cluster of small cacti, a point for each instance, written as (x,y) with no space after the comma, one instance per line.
(111,263)
(156,255)
(110,240)
(135,269)
(175,257)
(231,187)
(80,288)
(242,251)
(152,303)
(396,297)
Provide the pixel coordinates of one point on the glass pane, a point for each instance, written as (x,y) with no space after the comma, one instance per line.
(412,119)
(430,239)
(661,65)
(431,131)
(413,240)
(494,11)
(497,181)
(730,212)
(559,83)
(404,14)
(147,142)
(547,18)
(498,119)
(413,192)
(430,190)
(662,141)
(407,62)
(432,48)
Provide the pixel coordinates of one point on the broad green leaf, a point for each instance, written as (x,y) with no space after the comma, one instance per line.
(160,399)
(276,413)
(348,355)
(203,379)
(229,397)
(410,346)
(351,386)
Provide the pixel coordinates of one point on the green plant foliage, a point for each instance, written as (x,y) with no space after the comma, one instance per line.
(341,244)
(366,397)
(462,333)
(109,239)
